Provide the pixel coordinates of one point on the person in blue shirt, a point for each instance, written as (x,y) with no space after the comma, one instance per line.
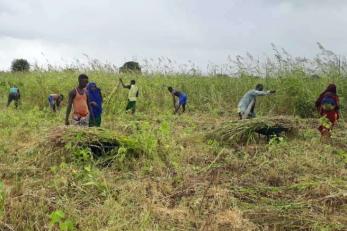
(95,104)
(246,106)
(55,101)
(182,99)
(14,95)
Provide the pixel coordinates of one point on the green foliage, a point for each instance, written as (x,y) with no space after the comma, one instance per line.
(304,107)
(130,67)
(57,218)
(20,65)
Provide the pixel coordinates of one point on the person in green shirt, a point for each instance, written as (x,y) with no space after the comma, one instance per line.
(14,95)
(132,95)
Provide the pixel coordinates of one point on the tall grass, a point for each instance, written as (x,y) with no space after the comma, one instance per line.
(295,93)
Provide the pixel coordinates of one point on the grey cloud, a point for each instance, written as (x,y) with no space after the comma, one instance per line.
(198,30)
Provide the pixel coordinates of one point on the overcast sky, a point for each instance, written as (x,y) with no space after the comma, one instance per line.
(203,31)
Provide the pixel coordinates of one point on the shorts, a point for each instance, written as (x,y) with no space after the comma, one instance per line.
(13,96)
(182,100)
(80,121)
(131,106)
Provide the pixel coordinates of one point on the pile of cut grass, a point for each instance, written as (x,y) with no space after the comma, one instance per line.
(246,131)
(66,143)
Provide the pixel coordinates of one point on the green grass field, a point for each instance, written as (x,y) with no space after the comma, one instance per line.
(169,174)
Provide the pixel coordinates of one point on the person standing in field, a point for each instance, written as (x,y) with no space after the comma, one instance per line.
(14,95)
(132,95)
(246,106)
(327,105)
(55,101)
(95,104)
(182,99)
(78,100)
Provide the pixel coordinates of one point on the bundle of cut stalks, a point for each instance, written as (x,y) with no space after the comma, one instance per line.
(247,131)
(99,140)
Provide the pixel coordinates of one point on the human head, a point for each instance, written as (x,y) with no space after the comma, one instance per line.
(91,86)
(331,88)
(170,89)
(259,87)
(82,80)
(132,82)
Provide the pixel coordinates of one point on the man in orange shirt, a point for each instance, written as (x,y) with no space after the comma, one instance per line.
(78,100)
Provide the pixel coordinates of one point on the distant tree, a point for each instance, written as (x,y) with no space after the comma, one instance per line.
(131,66)
(20,65)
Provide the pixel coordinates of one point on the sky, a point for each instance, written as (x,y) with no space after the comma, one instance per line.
(201,31)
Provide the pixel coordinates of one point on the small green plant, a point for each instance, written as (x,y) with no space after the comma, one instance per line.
(121,154)
(58,219)
(82,154)
(325,122)
(276,140)
(342,155)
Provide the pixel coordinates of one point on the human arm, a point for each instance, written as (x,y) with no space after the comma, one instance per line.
(89,106)
(262,93)
(177,108)
(72,95)
(174,100)
(123,85)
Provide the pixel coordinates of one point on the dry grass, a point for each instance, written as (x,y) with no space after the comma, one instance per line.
(178,180)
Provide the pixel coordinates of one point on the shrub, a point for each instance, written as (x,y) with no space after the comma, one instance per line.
(20,65)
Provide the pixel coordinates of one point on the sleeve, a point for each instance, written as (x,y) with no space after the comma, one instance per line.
(260,93)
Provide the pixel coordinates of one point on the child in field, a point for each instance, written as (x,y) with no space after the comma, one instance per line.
(246,106)
(182,99)
(132,95)
(78,99)
(327,105)
(14,95)
(95,105)
(55,101)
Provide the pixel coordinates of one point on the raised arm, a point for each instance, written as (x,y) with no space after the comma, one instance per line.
(123,85)
(72,95)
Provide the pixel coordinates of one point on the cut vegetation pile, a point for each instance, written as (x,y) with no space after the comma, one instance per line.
(98,144)
(248,131)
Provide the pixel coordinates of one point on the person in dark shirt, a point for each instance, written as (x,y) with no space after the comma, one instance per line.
(55,101)
(14,95)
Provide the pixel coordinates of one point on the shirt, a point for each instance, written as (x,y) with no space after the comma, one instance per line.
(133,92)
(249,98)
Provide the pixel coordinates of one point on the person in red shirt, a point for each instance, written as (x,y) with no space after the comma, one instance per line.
(78,100)
(328,107)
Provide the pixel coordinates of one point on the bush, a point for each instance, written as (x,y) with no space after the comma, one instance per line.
(20,65)
(131,66)
(305,107)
